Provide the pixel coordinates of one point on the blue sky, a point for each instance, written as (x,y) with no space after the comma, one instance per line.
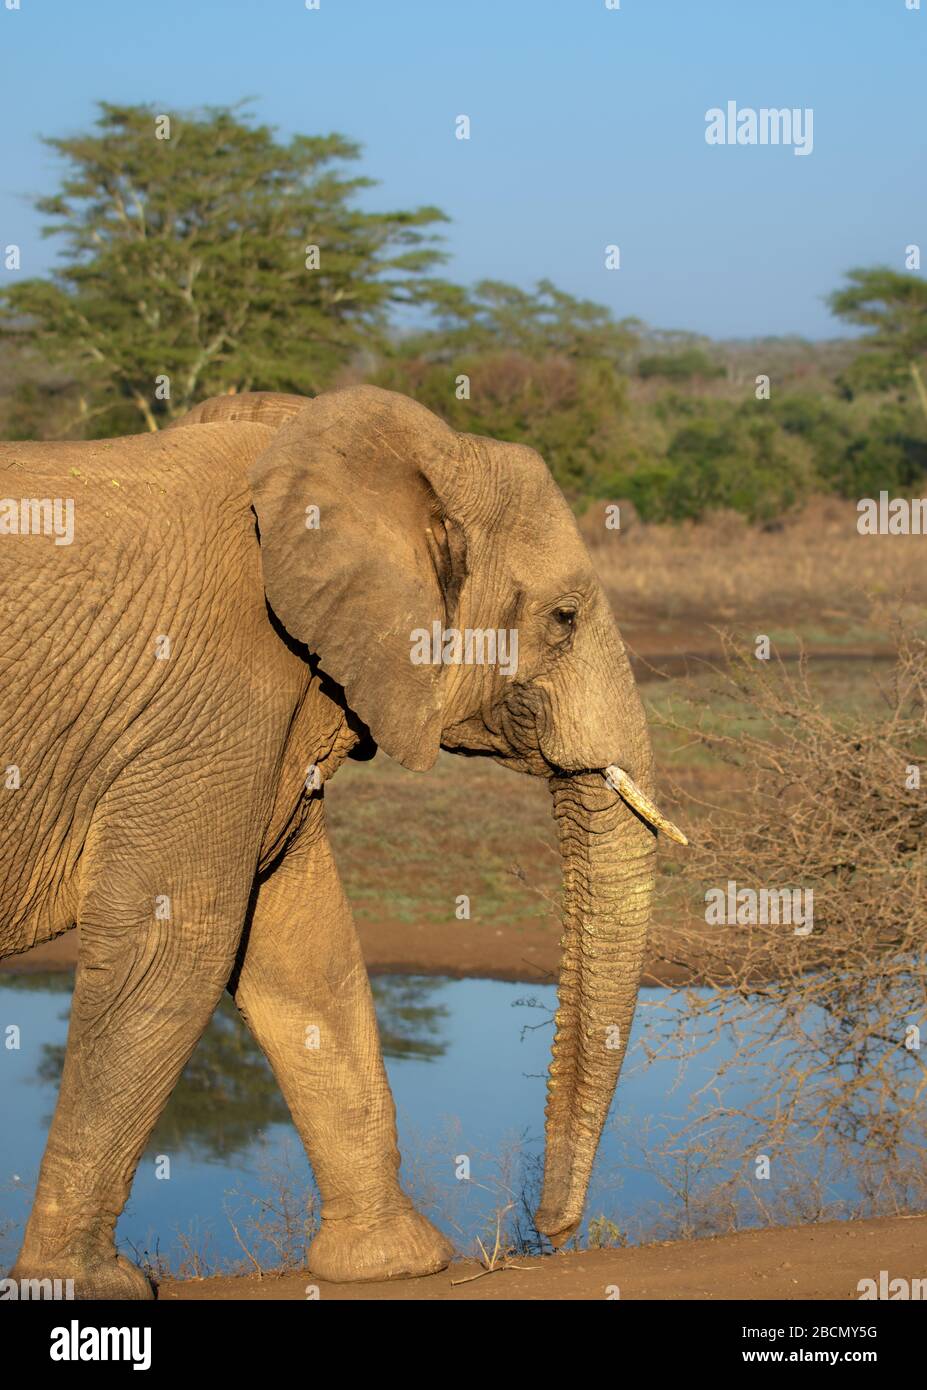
(588,128)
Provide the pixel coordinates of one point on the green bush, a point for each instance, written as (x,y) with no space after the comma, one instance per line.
(571,412)
(738,461)
(680,366)
(891,453)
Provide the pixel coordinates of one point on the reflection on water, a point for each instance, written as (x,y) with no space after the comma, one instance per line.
(227,1092)
(467,1063)
(410,1019)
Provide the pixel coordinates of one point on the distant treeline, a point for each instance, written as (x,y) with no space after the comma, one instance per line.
(205,256)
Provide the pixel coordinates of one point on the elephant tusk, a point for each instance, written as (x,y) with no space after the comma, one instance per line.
(629,791)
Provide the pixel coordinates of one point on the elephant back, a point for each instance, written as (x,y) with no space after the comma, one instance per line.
(271,408)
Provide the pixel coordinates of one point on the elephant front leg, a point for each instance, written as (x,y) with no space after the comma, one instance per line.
(143,996)
(304,992)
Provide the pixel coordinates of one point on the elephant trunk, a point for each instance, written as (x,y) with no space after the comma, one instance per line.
(608,870)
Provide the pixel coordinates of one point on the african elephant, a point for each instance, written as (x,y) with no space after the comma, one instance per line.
(180,677)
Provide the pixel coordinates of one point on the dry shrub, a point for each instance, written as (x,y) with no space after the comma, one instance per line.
(820,1033)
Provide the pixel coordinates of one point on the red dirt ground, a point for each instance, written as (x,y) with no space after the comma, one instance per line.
(805,1262)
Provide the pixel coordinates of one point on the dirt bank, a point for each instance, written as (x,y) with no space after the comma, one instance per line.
(805,1262)
(414,948)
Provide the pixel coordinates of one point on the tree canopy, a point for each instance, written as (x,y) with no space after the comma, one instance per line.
(188,255)
(893,306)
(203,254)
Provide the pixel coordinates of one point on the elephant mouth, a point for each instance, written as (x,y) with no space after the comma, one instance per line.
(630,792)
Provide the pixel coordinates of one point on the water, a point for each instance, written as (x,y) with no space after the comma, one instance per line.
(466,1059)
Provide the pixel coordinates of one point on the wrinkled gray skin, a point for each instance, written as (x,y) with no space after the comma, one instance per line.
(180,779)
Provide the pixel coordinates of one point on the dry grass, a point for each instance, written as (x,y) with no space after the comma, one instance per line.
(813,571)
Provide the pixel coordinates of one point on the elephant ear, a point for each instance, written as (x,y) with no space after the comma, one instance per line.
(384,554)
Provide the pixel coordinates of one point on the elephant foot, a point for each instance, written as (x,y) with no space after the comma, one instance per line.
(99,1276)
(403,1245)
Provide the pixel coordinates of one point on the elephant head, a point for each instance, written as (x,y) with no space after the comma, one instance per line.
(427,537)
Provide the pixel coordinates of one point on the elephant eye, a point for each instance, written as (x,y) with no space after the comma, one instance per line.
(565,616)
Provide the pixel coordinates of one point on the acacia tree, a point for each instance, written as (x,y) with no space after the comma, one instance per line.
(187,255)
(548,322)
(894,307)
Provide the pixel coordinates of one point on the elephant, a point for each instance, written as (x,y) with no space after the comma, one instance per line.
(232,615)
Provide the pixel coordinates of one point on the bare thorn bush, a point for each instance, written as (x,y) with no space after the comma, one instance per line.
(817,1036)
